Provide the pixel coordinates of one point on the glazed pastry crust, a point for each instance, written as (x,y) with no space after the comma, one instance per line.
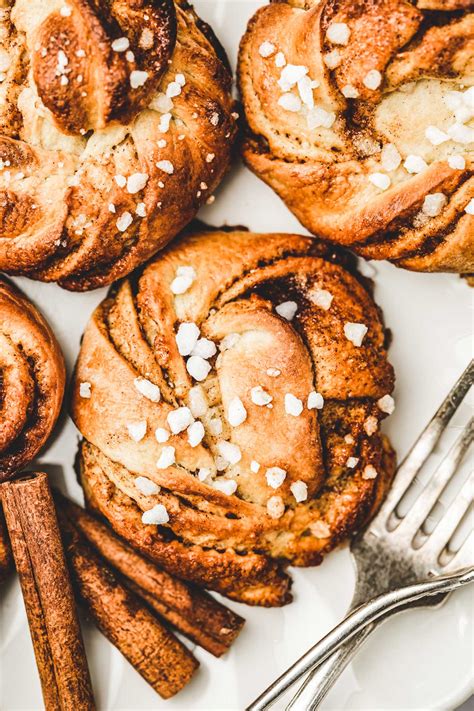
(32,378)
(230,543)
(322,172)
(105,154)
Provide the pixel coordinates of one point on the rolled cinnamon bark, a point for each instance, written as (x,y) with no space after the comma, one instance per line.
(161,659)
(192,611)
(6,561)
(47,592)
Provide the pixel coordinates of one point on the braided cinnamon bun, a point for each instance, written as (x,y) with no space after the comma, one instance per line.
(116,124)
(232,424)
(360,116)
(32,378)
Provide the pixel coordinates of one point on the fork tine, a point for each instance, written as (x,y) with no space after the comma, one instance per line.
(463,557)
(454,514)
(429,495)
(425,443)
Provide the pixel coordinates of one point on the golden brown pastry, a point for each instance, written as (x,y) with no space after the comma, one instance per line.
(116,124)
(234,425)
(32,377)
(360,116)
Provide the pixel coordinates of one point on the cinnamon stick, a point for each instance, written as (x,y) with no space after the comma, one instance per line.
(49,601)
(6,560)
(192,611)
(161,659)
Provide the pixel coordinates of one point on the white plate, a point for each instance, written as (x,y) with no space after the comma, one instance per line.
(420,660)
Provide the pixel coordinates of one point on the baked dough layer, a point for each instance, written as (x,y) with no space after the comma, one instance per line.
(380,119)
(321,472)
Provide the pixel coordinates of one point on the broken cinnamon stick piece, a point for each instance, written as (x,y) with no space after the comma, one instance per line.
(6,560)
(49,601)
(192,611)
(162,660)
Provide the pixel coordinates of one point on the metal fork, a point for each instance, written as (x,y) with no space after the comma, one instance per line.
(393,557)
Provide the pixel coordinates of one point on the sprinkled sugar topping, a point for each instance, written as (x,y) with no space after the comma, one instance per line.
(461,134)
(338,33)
(469,209)
(290,102)
(349,91)
(275,477)
(197,401)
(332,59)
(225,486)
(236,412)
(259,396)
(146,486)
(166,458)
(147,389)
(121,44)
(290,75)
(355,332)
(166,166)
(124,221)
(185,276)
(435,136)
(414,164)
(321,298)
(179,419)
(229,451)
(371,425)
(352,462)
(161,435)
(293,405)
(299,490)
(372,79)
(187,337)
(137,78)
(254,466)
(157,515)
(380,180)
(320,529)
(433,204)
(369,472)
(195,433)
(319,117)
(386,404)
(85,390)
(273,372)
(136,182)
(266,49)
(390,158)
(315,401)
(198,368)
(203,473)
(457,162)
(137,430)
(275,507)
(287,309)
(280,60)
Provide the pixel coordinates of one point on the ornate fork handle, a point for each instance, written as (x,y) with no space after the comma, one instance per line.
(352,624)
(321,680)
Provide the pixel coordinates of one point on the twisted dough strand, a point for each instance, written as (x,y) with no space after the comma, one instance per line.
(228,524)
(385,79)
(32,377)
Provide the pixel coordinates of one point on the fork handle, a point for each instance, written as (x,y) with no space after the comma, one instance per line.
(321,680)
(351,625)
